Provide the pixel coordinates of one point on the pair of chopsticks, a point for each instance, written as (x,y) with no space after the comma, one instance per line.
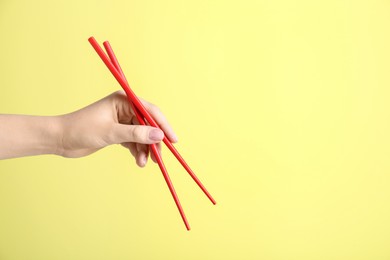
(144,118)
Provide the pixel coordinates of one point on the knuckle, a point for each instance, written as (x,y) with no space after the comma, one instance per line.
(118,93)
(115,94)
(139,133)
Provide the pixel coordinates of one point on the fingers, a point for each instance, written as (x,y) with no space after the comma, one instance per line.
(140,152)
(122,133)
(125,113)
(161,120)
(136,137)
(143,154)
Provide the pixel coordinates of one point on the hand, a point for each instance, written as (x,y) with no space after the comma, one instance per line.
(112,121)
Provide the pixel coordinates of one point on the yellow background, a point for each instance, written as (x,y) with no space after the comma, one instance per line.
(281,107)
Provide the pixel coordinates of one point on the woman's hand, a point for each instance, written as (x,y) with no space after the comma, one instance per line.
(105,122)
(112,121)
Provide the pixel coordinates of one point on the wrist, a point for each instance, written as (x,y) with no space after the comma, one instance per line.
(56,133)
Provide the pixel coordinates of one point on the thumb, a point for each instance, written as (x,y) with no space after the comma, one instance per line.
(136,134)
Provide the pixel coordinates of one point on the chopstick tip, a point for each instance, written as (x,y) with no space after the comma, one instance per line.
(91,39)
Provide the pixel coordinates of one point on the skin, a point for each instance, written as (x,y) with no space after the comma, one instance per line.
(106,122)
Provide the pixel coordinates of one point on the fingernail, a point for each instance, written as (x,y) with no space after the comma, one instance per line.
(156,135)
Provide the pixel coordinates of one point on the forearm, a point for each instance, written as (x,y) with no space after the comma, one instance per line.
(24,135)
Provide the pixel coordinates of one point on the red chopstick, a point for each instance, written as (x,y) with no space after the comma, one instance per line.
(141,112)
(154,149)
